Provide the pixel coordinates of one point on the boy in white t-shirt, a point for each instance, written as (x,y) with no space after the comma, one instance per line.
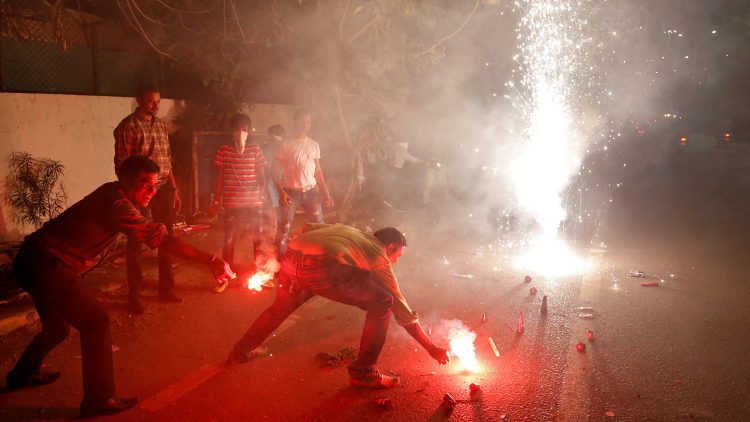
(299,179)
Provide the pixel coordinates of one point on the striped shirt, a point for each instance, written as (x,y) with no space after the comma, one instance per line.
(241,189)
(137,136)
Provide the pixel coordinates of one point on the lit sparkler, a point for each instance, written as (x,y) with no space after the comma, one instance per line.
(461,340)
(552,44)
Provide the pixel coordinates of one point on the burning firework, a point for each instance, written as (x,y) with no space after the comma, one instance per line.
(461,340)
(258,280)
(267,268)
(552,62)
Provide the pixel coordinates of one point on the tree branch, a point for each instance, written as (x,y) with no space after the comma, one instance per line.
(137,25)
(446,38)
(174,9)
(237,21)
(148,18)
(362,30)
(341,22)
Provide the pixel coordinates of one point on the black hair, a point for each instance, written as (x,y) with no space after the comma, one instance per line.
(299,113)
(390,235)
(133,165)
(144,88)
(240,120)
(277,130)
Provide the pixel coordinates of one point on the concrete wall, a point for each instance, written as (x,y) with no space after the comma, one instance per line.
(77,131)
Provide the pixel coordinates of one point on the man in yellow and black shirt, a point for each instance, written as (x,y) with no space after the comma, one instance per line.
(348,266)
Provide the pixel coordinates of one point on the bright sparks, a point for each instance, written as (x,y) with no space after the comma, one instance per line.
(267,267)
(553,44)
(258,280)
(551,259)
(461,340)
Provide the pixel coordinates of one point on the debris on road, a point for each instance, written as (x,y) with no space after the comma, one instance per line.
(191,228)
(581,346)
(609,413)
(527,279)
(650,284)
(474,388)
(532,291)
(458,275)
(339,358)
(386,404)
(449,402)
(637,274)
(589,335)
(494,348)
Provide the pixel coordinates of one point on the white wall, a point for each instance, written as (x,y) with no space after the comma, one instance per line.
(77,131)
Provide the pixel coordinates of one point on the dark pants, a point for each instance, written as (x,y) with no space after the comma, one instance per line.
(60,302)
(309,201)
(162,211)
(302,277)
(235,222)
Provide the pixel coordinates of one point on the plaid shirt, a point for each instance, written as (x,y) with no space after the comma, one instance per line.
(137,136)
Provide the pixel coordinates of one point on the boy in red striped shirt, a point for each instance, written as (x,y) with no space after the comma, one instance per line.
(240,185)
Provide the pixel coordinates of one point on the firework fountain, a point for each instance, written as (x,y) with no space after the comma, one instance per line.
(552,64)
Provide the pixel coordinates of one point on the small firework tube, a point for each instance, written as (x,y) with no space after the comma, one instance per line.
(494,348)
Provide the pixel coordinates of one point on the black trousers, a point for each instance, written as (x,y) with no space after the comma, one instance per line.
(60,302)
(162,211)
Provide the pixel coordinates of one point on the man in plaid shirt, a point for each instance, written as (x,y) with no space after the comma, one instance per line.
(144,134)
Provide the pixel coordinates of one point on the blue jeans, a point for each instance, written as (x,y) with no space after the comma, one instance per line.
(234,220)
(302,277)
(310,202)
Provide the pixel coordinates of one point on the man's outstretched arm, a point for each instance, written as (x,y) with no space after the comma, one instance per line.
(438,353)
(174,246)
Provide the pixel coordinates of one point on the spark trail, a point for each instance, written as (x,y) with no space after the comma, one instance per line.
(553,65)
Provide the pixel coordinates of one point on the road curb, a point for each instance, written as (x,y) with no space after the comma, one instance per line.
(17,320)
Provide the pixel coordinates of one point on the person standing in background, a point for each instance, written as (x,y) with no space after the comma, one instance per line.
(144,134)
(240,185)
(275,136)
(301,182)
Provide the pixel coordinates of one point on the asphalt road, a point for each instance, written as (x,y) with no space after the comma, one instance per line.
(672,352)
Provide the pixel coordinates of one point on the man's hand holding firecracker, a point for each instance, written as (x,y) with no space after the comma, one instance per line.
(222,272)
(439,354)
